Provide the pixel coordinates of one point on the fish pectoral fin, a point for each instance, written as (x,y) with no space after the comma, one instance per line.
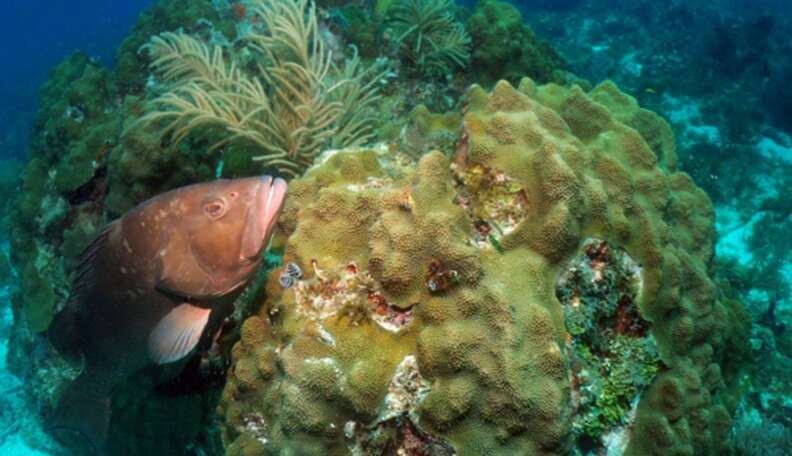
(177,334)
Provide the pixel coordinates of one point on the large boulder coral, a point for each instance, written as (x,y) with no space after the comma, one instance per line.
(417,307)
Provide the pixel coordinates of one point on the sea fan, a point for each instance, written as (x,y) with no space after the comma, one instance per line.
(297,103)
(752,435)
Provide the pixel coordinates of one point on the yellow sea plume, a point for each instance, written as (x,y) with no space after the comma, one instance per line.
(297,103)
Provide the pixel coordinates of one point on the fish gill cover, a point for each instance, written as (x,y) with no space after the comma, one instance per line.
(481,252)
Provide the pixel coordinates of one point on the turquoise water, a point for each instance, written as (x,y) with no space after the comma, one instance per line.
(74,158)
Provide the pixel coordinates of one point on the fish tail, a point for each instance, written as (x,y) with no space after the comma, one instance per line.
(82,416)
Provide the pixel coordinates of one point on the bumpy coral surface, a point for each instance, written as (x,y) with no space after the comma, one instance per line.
(424,317)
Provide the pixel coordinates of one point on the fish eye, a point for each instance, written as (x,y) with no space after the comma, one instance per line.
(233,194)
(215,209)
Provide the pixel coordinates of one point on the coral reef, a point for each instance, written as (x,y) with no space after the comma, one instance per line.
(361,24)
(380,239)
(752,436)
(78,128)
(82,166)
(427,131)
(20,432)
(191,16)
(435,49)
(716,72)
(524,271)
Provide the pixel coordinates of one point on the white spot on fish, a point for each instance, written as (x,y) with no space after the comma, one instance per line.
(126,246)
(123,270)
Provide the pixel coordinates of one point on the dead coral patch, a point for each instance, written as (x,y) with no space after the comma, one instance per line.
(611,352)
(494,201)
(347,293)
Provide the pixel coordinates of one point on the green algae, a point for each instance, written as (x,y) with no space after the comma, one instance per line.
(613,356)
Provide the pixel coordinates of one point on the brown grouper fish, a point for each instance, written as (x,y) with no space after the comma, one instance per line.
(156,284)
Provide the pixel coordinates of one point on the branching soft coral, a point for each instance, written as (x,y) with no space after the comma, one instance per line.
(298,102)
(429,35)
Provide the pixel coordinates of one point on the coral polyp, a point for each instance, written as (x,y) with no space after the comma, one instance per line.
(439,278)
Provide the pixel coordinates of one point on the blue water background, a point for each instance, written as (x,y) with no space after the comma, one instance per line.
(35,35)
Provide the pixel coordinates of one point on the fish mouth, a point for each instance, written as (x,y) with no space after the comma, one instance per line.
(263,215)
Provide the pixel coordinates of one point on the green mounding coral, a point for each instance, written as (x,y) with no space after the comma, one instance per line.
(143,165)
(193,16)
(78,113)
(427,131)
(417,304)
(430,38)
(78,127)
(654,129)
(504,47)
(296,104)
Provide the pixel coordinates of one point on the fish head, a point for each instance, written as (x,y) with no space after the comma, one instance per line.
(236,220)
(227,226)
